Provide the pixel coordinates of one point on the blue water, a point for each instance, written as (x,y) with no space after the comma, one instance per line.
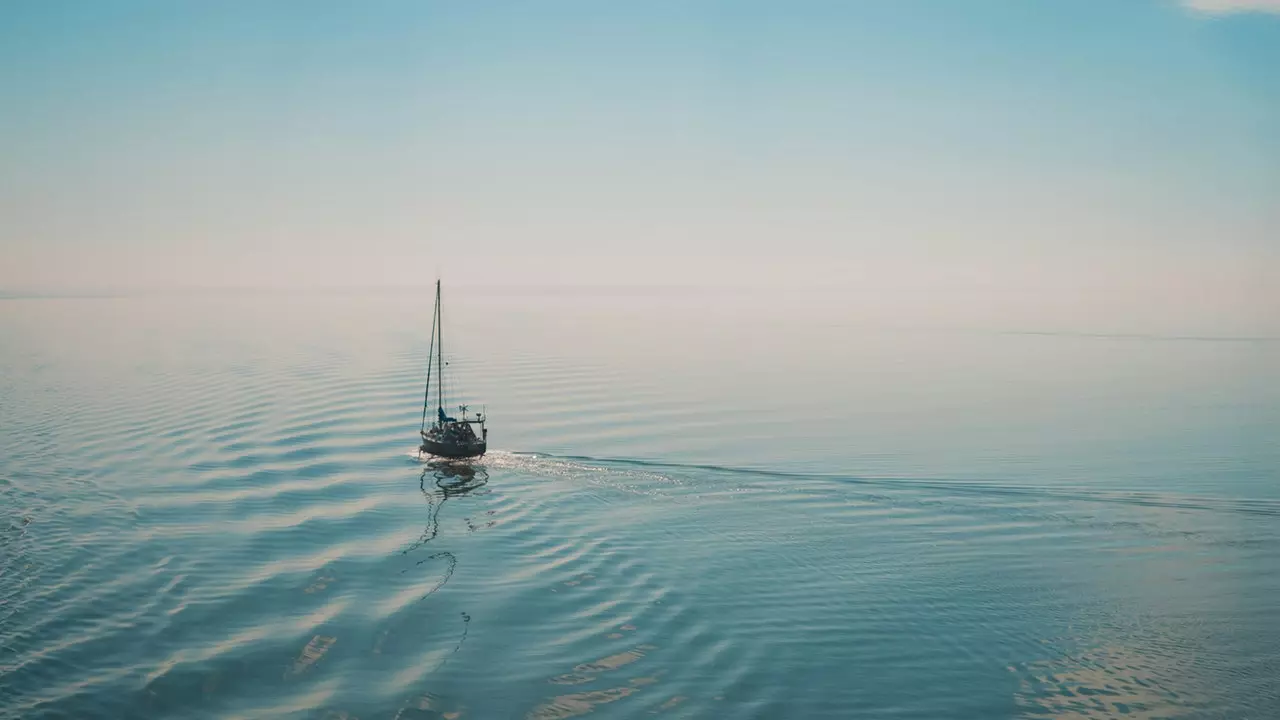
(698,505)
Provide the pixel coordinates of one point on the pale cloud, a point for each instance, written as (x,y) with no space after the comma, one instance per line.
(1219,7)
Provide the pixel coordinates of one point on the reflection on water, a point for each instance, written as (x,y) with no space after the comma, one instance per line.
(429,707)
(587,672)
(567,706)
(438,482)
(312,653)
(441,480)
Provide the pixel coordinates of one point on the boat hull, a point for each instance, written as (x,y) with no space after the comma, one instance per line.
(453,451)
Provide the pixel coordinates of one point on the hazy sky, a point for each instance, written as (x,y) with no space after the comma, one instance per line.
(1123,147)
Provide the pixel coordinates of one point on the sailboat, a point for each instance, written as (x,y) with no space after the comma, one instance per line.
(448,437)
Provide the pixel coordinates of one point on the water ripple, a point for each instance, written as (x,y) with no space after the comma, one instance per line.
(200,530)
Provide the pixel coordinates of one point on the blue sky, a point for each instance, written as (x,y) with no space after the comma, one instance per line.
(1125,147)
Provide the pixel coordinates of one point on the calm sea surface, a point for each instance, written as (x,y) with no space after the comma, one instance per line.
(697,505)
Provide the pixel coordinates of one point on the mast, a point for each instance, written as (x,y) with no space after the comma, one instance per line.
(440,349)
(426,393)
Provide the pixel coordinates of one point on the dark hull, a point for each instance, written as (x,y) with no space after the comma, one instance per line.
(453,451)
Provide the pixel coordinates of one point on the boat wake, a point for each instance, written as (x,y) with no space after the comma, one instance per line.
(680,474)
